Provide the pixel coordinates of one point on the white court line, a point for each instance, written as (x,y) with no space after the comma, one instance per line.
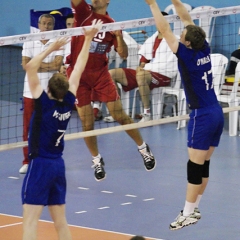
(10,225)
(103,208)
(148,199)
(129,195)
(81,212)
(127,203)
(13,177)
(94,229)
(106,192)
(82,188)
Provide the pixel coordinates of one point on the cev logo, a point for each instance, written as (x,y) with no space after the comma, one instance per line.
(141,22)
(63,33)
(216,12)
(22,38)
(122,26)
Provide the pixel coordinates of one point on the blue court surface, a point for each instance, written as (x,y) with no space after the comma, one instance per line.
(133,201)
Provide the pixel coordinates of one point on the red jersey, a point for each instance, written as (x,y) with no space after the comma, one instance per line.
(101,43)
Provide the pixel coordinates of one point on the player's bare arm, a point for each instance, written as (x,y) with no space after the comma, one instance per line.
(163,26)
(122,48)
(55,65)
(76,2)
(25,60)
(80,64)
(33,65)
(183,13)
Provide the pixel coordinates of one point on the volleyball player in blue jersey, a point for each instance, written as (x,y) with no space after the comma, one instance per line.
(45,181)
(206,118)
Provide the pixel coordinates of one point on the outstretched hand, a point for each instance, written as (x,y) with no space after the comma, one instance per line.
(95,27)
(59,43)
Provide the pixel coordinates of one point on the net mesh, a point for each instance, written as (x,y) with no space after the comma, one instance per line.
(224,40)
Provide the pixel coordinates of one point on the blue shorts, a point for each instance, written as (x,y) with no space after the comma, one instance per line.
(205,127)
(45,182)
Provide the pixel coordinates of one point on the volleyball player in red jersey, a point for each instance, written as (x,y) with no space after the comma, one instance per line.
(96,83)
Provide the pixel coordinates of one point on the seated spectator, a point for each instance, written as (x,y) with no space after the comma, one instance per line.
(158,65)
(234,60)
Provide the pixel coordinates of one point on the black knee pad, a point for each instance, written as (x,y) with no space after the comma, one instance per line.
(194,173)
(205,171)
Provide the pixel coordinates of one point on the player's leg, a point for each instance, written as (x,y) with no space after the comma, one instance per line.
(116,111)
(204,131)
(144,79)
(118,76)
(58,216)
(28,107)
(31,215)
(87,117)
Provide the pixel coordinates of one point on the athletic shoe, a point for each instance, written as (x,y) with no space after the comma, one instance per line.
(109,119)
(182,221)
(23,169)
(148,158)
(145,118)
(197,213)
(99,171)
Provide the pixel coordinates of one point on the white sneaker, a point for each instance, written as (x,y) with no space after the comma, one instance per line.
(109,119)
(182,221)
(145,118)
(197,213)
(23,169)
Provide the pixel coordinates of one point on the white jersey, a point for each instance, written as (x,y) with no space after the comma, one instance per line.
(165,61)
(31,49)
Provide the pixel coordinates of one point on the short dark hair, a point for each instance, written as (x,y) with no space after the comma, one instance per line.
(70,15)
(58,86)
(196,36)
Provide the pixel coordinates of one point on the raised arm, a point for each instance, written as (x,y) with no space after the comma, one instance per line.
(183,13)
(33,65)
(163,26)
(76,2)
(80,64)
(122,47)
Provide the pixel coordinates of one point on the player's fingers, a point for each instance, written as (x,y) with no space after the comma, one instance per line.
(94,22)
(98,24)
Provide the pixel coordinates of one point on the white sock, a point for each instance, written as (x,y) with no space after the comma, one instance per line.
(198,201)
(188,208)
(97,157)
(96,104)
(147,111)
(142,146)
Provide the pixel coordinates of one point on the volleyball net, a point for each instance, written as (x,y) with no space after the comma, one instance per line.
(167,103)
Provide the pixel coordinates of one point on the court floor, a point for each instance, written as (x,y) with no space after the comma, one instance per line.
(132,201)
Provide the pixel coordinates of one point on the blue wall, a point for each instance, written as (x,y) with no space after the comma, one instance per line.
(14,15)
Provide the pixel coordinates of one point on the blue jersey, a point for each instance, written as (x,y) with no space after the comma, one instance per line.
(196,74)
(48,125)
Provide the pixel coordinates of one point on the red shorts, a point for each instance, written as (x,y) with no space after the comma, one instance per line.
(158,80)
(96,86)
